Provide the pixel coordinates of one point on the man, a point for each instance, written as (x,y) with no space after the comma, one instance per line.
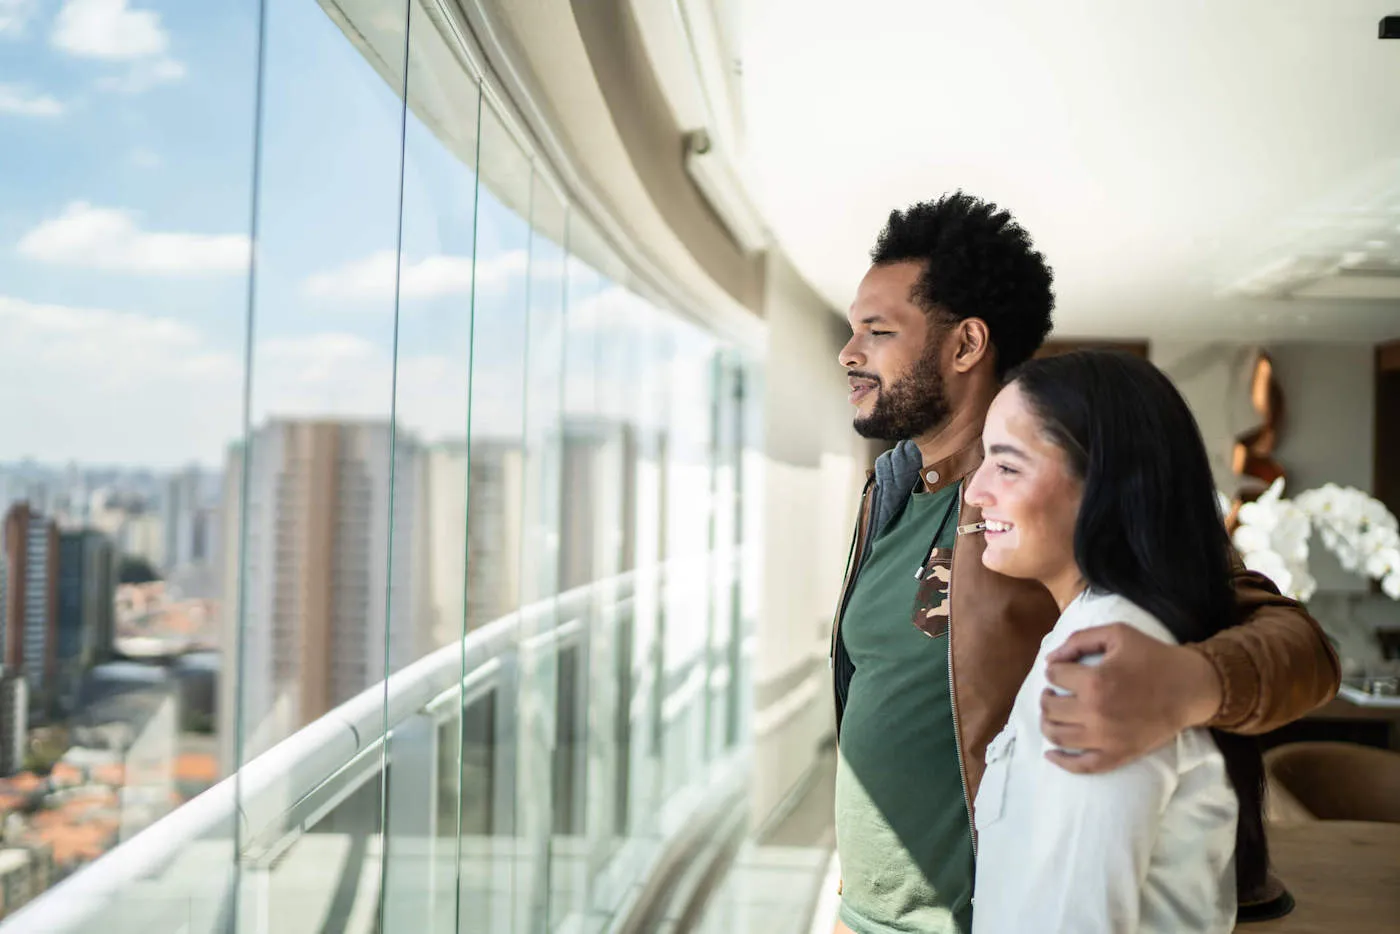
(929,647)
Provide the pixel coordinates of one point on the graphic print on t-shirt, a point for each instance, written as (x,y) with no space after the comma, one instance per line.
(931,604)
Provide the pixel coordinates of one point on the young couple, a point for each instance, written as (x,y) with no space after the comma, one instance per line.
(1046,657)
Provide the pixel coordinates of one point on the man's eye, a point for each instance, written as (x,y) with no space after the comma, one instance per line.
(880,333)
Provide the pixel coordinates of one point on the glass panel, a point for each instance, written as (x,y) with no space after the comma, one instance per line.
(602,318)
(491,862)
(751,511)
(125,180)
(320,466)
(687,370)
(474,466)
(645,687)
(585,756)
(724,585)
(545,633)
(430,482)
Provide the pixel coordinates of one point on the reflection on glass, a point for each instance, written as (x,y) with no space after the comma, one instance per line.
(330,481)
(688,496)
(433,375)
(425,540)
(123,301)
(494,873)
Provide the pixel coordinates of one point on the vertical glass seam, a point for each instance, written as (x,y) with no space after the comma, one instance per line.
(466,550)
(393,483)
(240,621)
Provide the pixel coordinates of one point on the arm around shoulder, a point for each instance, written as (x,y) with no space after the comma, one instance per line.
(1275,665)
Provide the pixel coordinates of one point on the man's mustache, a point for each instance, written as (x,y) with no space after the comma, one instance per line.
(861,374)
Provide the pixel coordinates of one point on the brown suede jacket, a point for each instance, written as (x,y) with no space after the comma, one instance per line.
(1274,667)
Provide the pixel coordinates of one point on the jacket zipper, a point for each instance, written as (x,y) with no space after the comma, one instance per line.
(953,694)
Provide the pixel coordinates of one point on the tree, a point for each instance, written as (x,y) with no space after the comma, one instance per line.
(135,570)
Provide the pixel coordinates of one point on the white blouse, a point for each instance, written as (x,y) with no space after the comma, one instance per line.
(1147,847)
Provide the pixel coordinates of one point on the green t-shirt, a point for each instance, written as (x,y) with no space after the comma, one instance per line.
(902,829)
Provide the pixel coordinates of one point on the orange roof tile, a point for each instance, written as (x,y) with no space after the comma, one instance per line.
(24,781)
(110,774)
(66,773)
(81,842)
(196,767)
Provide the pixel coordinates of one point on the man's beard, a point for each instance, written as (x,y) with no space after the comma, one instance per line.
(911,406)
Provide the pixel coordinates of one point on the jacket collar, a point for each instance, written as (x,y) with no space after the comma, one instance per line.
(900,470)
(951,469)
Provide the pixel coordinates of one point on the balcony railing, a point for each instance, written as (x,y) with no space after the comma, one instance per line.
(447,797)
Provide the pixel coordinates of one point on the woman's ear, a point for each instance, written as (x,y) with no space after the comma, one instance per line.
(974,344)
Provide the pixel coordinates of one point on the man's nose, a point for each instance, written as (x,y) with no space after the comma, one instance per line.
(850,357)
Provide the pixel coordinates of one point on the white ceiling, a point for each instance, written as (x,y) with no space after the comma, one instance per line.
(1158,152)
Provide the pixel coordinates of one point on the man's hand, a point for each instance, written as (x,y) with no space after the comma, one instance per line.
(1137,699)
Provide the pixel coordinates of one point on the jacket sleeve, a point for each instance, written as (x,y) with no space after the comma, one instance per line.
(1275,665)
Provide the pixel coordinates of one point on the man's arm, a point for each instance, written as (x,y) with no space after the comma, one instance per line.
(1271,668)
(1275,666)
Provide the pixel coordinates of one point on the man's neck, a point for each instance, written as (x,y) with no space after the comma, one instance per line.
(962,428)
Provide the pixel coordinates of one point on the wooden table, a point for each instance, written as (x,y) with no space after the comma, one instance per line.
(1345,876)
(1339,720)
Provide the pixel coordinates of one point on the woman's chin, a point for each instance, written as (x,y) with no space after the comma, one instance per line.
(995,559)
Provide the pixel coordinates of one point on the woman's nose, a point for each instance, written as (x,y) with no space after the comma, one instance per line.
(976,490)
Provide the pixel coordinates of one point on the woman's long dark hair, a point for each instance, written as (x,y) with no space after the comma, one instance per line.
(1149,527)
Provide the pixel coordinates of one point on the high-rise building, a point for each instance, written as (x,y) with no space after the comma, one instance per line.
(496,478)
(444,485)
(143,536)
(87,586)
(14,721)
(595,524)
(307,606)
(25,872)
(29,637)
(186,520)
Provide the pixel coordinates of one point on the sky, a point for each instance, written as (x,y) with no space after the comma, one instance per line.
(126,191)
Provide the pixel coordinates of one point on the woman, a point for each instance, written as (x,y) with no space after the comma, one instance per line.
(1096,484)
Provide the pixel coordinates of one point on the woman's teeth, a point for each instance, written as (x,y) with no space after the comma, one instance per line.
(995,526)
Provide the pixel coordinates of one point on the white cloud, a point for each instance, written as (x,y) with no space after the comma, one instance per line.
(337,375)
(372,278)
(17,100)
(109,386)
(107,238)
(110,31)
(105,386)
(143,76)
(14,16)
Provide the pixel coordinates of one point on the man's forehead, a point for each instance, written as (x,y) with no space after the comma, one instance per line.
(885,294)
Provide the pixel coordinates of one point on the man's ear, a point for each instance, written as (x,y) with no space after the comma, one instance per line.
(973,342)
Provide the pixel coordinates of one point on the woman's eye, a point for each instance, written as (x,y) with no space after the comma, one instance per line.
(881,333)
(1007,471)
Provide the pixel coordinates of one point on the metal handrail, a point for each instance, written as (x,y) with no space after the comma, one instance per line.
(268,787)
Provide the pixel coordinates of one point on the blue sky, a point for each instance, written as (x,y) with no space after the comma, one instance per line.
(126,158)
